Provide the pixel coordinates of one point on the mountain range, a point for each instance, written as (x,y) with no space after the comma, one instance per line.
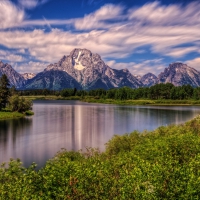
(83,69)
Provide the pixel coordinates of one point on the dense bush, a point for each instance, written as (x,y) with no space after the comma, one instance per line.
(19,104)
(160,164)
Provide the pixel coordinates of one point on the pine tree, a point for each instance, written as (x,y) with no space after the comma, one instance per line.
(4,91)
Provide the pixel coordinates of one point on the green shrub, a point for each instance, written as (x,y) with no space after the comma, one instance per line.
(28,113)
(19,104)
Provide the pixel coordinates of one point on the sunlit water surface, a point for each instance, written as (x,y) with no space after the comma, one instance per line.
(75,125)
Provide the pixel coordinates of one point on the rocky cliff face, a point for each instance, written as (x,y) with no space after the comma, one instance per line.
(149,79)
(14,77)
(180,74)
(91,72)
(121,78)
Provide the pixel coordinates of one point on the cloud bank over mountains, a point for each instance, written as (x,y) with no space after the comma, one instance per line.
(113,31)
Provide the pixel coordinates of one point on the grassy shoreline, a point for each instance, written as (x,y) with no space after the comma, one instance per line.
(143,102)
(10,115)
(51,97)
(90,99)
(4,115)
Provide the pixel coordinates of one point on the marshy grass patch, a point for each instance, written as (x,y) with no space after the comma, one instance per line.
(10,115)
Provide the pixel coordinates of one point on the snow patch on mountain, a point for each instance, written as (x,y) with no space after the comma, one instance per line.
(78,64)
(28,76)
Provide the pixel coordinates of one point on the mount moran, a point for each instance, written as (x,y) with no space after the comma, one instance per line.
(83,69)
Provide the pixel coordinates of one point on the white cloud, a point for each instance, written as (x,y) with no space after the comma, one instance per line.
(154,66)
(97,19)
(195,63)
(30,4)
(15,58)
(30,67)
(53,45)
(155,13)
(42,22)
(179,52)
(10,15)
(22,51)
(11,57)
(91,21)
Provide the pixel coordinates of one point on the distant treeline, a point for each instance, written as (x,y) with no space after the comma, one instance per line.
(158,91)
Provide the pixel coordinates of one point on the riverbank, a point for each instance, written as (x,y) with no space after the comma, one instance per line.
(12,115)
(90,99)
(142,102)
(159,164)
(51,97)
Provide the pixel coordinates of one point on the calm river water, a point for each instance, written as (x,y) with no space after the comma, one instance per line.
(75,125)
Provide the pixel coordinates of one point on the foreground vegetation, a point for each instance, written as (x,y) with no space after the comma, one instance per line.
(159,164)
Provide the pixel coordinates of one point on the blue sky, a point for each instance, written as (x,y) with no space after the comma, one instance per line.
(142,36)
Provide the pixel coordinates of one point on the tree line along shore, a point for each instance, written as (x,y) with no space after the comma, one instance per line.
(12,100)
(166,94)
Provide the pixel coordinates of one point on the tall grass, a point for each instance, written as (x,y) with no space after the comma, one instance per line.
(142,101)
(10,115)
